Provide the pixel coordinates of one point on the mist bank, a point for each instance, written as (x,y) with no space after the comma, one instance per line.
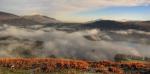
(40,41)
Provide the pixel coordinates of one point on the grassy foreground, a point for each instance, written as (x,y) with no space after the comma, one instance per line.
(66,66)
(67,71)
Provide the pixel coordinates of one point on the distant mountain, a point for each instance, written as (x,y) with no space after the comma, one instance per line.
(19,22)
(143,24)
(116,25)
(42,19)
(11,19)
(5,16)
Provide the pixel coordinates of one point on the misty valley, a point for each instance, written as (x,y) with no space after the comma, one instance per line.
(49,37)
(40,36)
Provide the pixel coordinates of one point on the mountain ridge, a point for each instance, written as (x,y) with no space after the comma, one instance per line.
(116,25)
(12,19)
(42,19)
(5,16)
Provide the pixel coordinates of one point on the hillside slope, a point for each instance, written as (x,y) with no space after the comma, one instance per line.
(42,19)
(116,25)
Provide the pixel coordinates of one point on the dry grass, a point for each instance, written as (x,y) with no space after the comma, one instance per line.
(65,66)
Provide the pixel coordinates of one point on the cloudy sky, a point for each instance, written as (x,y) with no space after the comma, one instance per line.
(80,10)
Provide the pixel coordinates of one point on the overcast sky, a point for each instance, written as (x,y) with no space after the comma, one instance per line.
(80,10)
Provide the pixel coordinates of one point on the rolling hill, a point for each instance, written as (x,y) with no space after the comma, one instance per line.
(6,16)
(116,25)
(42,19)
(12,19)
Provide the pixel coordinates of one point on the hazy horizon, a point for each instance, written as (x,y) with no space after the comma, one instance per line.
(80,11)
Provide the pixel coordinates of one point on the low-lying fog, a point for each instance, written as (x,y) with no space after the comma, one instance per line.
(86,44)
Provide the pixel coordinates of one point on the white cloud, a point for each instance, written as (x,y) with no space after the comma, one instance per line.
(78,5)
(60,6)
